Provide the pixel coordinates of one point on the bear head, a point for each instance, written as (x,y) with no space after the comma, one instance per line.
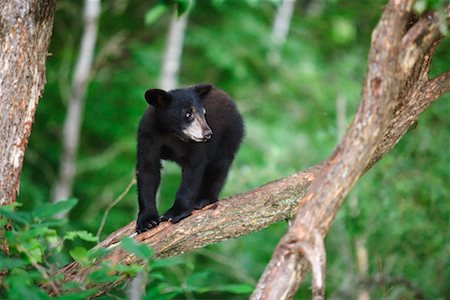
(180,111)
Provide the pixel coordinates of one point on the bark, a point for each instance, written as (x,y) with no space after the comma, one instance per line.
(396,80)
(25,30)
(62,189)
(390,104)
(174,48)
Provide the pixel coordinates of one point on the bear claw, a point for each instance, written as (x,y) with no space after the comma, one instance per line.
(174,217)
(146,222)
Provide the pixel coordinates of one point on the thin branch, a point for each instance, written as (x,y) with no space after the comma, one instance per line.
(314,252)
(436,87)
(419,39)
(420,94)
(39,268)
(112,204)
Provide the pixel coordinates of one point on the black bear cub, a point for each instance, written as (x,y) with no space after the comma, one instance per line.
(200,129)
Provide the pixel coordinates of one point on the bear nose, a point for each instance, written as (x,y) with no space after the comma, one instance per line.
(208,134)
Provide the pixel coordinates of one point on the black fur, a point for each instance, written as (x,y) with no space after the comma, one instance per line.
(204,162)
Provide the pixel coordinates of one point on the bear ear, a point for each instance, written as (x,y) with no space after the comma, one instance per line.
(202,89)
(158,98)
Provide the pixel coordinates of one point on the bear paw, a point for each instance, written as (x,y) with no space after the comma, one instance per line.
(146,221)
(175,215)
(199,204)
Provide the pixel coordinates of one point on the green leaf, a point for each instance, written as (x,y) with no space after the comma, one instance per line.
(129,270)
(342,31)
(80,254)
(197,278)
(156,275)
(51,209)
(11,263)
(24,290)
(154,14)
(235,288)
(78,295)
(82,234)
(420,6)
(140,250)
(102,276)
(96,253)
(167,262)
(32,234)
(15,216)
(35,254)
(182,6)
(52,237)
(49,223)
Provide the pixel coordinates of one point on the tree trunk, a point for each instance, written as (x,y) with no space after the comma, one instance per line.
(172,54)
(62,189)
(282,22)
(25,30)
(280,29)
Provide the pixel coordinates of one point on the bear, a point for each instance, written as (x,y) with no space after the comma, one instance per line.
(200,129)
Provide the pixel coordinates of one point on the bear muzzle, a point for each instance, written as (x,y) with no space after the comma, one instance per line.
(198,130)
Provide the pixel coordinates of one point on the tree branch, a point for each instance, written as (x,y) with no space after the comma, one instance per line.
(420,38)
(256,209)
(384,89)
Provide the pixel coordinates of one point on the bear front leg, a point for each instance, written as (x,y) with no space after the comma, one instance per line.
(148,214)
(186,194)
(148,174)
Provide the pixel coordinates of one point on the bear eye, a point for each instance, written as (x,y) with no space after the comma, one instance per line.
(190,116)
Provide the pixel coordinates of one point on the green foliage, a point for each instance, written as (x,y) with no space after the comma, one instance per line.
(140,250)
(35,256)
(155,13)
(82,234)
(399,210)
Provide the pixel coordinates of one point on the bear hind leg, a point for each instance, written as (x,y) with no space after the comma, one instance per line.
(212,183)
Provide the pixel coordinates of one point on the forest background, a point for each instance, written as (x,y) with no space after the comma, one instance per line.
(391,237)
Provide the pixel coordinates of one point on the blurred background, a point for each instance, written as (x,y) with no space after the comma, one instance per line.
(297,87)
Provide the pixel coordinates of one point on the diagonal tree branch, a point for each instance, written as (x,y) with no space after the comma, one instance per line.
(385,87)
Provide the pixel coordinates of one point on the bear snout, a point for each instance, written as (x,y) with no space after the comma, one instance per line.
(208,134)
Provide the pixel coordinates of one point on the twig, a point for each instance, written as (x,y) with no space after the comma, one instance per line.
(111,205)
(40,269)
(316,255)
